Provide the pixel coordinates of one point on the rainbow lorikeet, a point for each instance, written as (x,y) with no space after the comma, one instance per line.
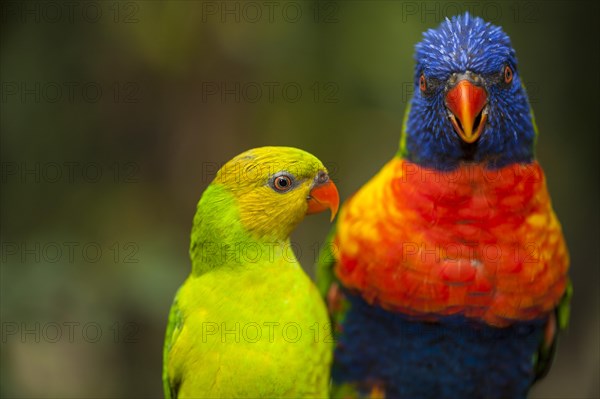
(240,326)
(447,272)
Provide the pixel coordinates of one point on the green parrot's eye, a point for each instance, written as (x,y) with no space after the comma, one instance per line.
(508,74)
(282,183)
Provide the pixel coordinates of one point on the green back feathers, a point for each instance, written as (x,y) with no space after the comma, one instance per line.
(402,151)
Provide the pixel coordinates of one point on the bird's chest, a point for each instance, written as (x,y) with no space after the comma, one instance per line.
(482,243)
(253,332)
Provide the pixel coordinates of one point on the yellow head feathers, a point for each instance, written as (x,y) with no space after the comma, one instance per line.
(275,187)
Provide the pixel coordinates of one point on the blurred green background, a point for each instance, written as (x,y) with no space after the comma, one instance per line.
(116,115)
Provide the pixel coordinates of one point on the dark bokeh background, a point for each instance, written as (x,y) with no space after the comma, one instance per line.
(115,116)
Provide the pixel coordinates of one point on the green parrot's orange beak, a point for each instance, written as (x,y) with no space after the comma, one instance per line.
(323,196)
(468,113)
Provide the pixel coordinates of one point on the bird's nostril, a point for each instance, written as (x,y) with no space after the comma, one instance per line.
(322,177)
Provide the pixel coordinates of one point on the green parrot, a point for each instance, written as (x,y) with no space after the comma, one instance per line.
(248,322)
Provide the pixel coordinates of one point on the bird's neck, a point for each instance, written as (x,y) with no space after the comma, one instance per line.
(246,255)
(219,239)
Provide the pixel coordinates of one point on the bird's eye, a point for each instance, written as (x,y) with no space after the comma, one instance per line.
(508,74)
(282,183)
(422,83)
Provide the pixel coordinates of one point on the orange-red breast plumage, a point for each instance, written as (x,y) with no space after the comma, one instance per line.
(482,243)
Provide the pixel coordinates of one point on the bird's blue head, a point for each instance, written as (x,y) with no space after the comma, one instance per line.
(469,104)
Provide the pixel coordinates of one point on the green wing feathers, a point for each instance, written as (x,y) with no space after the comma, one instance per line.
(173,329)
(325,263)
(563,311)
(557,321)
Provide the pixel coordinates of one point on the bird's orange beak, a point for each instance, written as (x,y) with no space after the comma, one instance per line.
(322,197)
(466,103)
